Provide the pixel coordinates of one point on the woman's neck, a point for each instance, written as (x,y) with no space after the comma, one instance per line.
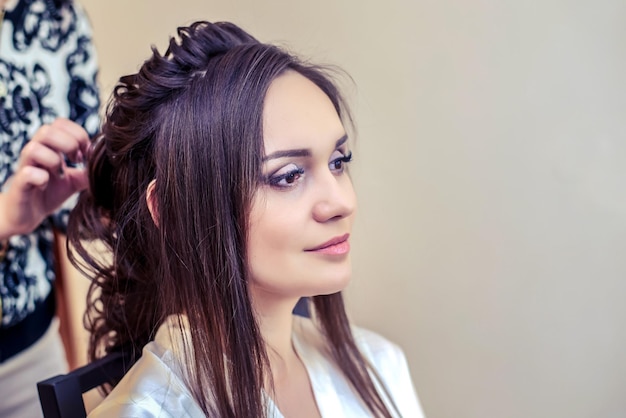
(291,388)
(275,320)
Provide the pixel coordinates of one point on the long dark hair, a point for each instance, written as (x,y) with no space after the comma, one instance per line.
(192,120)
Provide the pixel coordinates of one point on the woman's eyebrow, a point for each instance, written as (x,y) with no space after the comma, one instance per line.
(288,153)
(300,152)
(341,141)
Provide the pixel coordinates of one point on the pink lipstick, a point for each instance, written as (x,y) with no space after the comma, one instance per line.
(336,246)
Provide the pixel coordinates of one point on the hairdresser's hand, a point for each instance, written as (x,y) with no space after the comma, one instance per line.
(43,181)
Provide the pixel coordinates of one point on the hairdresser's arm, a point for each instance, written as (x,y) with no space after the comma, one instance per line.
(42,181)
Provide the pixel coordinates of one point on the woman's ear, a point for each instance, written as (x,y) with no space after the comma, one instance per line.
(152,203)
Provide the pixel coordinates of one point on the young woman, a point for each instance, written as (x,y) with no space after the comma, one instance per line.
(220,184)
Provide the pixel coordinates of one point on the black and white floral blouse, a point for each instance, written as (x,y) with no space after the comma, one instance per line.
(47,69)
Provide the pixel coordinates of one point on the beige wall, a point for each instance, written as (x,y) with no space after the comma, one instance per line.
(490,167)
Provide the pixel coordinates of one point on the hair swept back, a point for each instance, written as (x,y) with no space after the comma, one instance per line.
(192,120)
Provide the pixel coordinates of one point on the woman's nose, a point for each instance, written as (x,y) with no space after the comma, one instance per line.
(335,198)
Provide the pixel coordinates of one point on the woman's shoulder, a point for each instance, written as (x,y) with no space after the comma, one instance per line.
(149,389)
(154,386)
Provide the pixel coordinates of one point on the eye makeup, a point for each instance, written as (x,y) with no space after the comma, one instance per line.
(284,179)
(291,173)
(337,164)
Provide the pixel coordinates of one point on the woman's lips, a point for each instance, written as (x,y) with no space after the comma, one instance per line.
(336,246)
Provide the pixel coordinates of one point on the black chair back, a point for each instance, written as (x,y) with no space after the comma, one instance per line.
(62,396)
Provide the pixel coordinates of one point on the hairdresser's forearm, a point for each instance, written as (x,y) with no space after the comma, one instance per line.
(6,229)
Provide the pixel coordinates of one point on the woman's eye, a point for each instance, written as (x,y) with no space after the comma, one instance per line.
(337,164)
(287,177)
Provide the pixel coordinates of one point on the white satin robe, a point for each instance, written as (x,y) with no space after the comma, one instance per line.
(154,387)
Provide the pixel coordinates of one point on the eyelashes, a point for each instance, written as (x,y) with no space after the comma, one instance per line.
(291,174)
(286,179)
(338,163)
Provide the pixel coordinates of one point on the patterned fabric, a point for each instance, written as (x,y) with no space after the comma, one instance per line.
(48,69)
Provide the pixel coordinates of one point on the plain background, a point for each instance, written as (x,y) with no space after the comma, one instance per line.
(490,169)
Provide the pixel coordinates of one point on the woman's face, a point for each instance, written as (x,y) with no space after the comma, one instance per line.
(303,212)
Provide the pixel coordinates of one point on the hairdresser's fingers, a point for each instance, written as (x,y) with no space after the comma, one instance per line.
(77,179)
(63,180)
(21,208)
(64,136)
(27,180)
(33,193)
(39,155)
(76,131)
